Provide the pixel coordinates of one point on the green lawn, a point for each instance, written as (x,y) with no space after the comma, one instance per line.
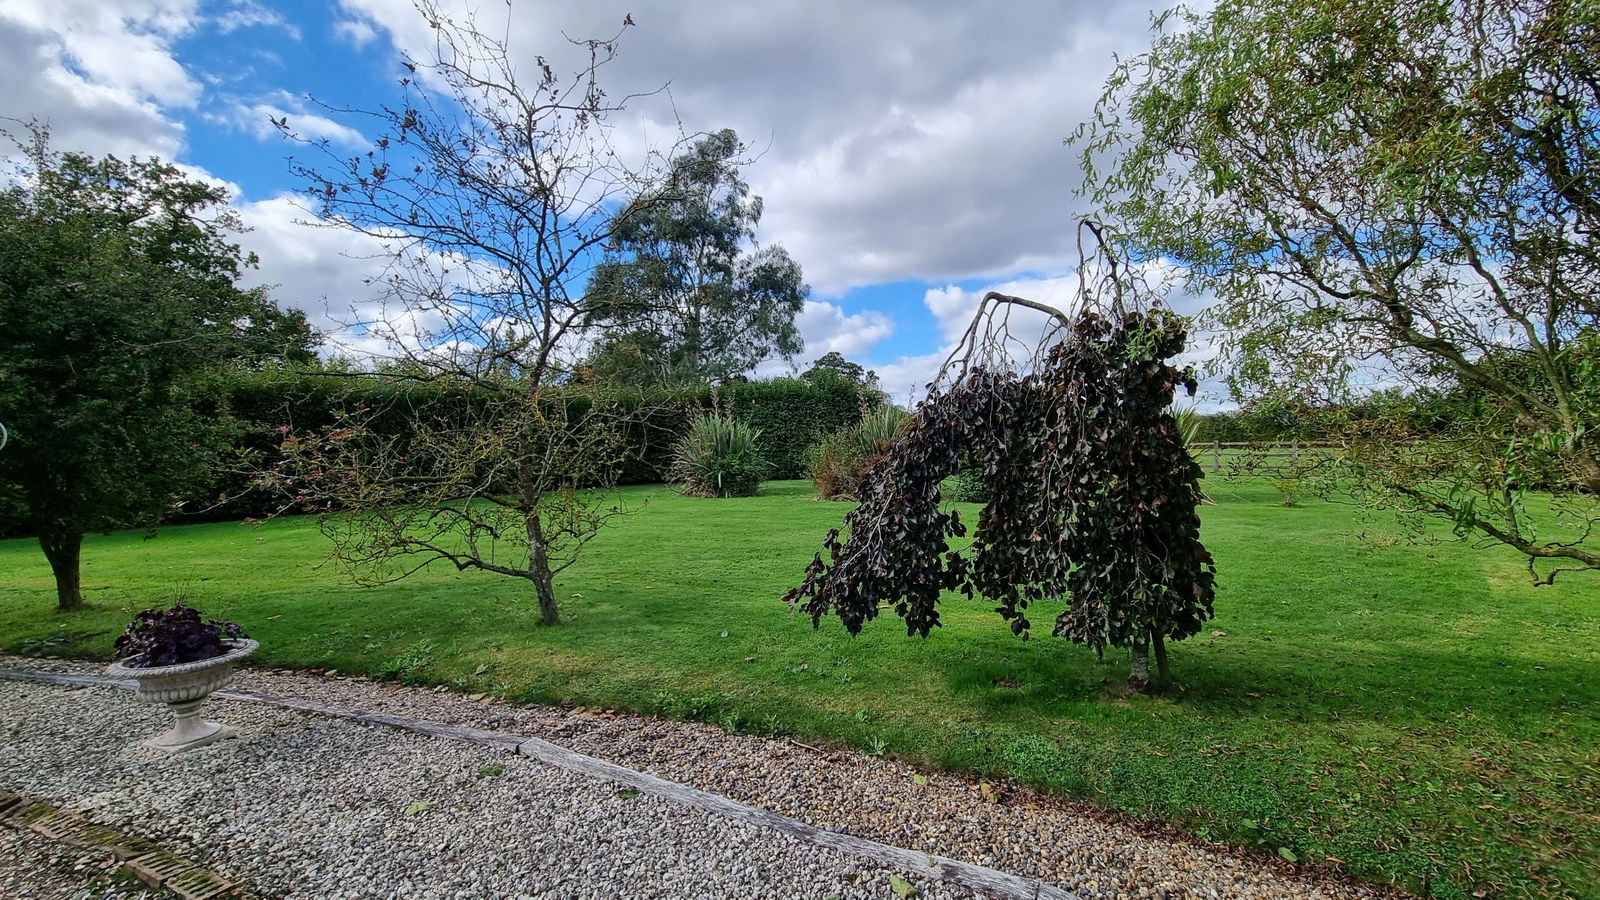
(1419,712)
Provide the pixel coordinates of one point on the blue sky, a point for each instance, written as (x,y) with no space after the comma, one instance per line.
(912,152)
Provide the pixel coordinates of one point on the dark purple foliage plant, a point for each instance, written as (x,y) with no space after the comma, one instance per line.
(167,637)
(1093,495)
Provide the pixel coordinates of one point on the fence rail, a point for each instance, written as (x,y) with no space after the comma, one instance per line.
(1211,458)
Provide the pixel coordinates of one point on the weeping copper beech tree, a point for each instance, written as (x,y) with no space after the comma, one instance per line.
(1093,496)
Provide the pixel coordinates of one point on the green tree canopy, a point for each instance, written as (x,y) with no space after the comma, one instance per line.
(833,365)
(117,290)
(683,292)
(1389,193)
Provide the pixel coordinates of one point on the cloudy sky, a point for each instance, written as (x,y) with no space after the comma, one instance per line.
(911,153)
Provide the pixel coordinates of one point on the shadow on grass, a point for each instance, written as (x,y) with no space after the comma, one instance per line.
(1506,693)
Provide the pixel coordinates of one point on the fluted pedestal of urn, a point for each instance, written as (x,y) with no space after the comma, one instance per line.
(190,732)
(184,688)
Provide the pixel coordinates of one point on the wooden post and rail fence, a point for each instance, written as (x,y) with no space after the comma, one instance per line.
(1211,454)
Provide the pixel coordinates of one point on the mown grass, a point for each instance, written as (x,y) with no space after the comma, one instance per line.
(1419,713)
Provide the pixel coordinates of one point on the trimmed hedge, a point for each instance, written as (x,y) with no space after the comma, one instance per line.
(795,415)
(1272,419)
(791,414)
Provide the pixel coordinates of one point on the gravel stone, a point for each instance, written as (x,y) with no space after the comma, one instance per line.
(1078,847)
(306,806)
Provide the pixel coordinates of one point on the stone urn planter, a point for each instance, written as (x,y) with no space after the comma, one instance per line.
(184,687)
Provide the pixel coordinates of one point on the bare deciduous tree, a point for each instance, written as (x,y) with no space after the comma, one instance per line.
(492,197)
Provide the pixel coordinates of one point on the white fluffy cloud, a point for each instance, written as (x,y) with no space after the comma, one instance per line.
(953,308)
(828,329)
(100,73)
(256,118)
(335,274)
(322,270)
(239,14)
(922,141)
(356,32)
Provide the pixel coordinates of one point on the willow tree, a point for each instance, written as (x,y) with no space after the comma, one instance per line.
(1383,194)
(1093,495)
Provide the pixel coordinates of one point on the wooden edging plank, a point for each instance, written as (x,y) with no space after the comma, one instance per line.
(497,740)
(981,879)
(65,679)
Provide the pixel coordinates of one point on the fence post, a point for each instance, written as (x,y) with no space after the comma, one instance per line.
(1216,456)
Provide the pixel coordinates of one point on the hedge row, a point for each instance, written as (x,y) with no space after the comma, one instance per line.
(792,415)
(1272,419)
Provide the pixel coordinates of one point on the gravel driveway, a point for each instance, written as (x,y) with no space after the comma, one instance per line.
(303,806)
(308,806)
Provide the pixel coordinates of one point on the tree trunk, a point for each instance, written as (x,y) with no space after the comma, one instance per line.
(539,566)
(62,549)
(1163,670)
(1139,666)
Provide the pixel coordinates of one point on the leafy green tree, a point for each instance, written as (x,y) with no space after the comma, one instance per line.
(694,302)
(1389,193)
(639,357)
(833,365)
(117,292)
